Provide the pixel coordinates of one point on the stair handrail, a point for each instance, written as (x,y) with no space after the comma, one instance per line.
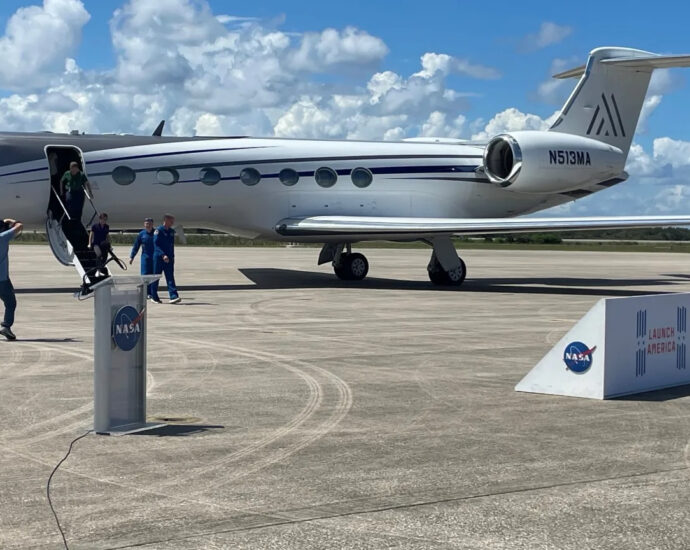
(64,208)
(96,213)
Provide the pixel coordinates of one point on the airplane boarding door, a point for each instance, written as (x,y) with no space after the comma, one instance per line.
(66,226)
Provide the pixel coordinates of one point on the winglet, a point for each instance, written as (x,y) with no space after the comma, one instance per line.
(158,132)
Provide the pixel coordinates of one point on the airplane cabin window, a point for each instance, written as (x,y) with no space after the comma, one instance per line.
(168,176)
(326,177)
(361,177)
(288,176)
(124,175)
(250,176)
(209,176)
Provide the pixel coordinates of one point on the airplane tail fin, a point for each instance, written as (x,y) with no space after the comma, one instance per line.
(607,101)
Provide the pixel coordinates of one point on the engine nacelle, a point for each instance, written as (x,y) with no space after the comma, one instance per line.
(549,162)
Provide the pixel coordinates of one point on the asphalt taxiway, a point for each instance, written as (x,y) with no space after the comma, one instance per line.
(309,413)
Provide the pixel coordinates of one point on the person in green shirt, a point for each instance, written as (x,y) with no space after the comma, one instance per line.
(73,187)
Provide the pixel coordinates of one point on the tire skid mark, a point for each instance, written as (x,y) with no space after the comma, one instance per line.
(251,310)
(340,410)
(279,325)
(59,419)
(170,359)
(77,413)
(136,488)
(313,403)
(197,380)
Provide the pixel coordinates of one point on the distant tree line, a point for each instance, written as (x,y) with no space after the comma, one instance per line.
(643,234)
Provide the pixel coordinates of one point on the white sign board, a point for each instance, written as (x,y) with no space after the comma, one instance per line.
(620,347)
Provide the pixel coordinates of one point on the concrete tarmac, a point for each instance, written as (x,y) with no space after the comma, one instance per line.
(309,413)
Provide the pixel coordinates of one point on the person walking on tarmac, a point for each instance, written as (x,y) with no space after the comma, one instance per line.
(164,259)
(144,241)
(9,229)
(73,187)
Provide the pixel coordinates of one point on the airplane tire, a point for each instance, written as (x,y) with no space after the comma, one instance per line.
(358,266)
(445,278)
(342,271)
(438,277)
(353,267)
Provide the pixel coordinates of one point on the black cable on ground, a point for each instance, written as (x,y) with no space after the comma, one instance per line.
(50,502)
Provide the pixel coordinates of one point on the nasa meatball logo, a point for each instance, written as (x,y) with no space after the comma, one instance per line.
(578,357)
(127,328)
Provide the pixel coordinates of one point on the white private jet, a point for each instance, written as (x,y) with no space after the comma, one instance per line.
(342,192)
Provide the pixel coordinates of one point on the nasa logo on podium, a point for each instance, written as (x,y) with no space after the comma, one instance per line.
(578,357)
(127,328)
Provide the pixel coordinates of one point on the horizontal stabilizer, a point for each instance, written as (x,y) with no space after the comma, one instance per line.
(656,62)
(650,62)
(369,227)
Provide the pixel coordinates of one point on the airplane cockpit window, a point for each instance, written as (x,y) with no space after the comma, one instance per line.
(250,176)
(167,176)
(209,176)
(361,177)
(326,177)
(288,176)
(124,175)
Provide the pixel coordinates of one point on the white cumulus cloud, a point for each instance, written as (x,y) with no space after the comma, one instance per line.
(37,41)
(549,33)
(513,120)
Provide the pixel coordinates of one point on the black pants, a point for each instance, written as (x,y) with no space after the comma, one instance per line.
(8,298)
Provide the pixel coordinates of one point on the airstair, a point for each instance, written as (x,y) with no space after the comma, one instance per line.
(68,237)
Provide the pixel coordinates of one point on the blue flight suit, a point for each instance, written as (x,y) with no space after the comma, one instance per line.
(164,242)
(144,241)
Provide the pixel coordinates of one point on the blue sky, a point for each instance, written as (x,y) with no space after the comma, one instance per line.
(487,32)
(279,71)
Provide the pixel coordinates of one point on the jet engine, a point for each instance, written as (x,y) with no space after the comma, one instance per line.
(549,162)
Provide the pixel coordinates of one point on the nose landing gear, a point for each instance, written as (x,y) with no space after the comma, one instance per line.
(348,266)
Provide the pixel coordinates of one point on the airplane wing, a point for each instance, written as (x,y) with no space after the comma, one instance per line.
(370,227)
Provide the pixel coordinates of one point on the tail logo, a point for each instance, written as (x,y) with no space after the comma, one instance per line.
(605,117)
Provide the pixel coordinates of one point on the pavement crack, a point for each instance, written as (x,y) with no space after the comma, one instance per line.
(376,510)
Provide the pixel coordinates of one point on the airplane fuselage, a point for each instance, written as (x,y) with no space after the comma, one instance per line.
(202,180)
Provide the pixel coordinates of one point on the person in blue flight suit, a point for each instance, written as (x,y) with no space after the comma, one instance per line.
(144,241)
(164,259)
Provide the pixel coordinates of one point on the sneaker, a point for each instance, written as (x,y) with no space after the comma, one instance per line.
(156,300)
(176,300)
(7,333)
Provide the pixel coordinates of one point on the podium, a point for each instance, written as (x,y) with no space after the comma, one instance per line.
(120,321)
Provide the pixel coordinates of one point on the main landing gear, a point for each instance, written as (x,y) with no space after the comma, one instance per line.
(348,266)
(445,266)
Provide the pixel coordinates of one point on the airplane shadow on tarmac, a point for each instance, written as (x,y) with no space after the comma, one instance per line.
(274,278)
